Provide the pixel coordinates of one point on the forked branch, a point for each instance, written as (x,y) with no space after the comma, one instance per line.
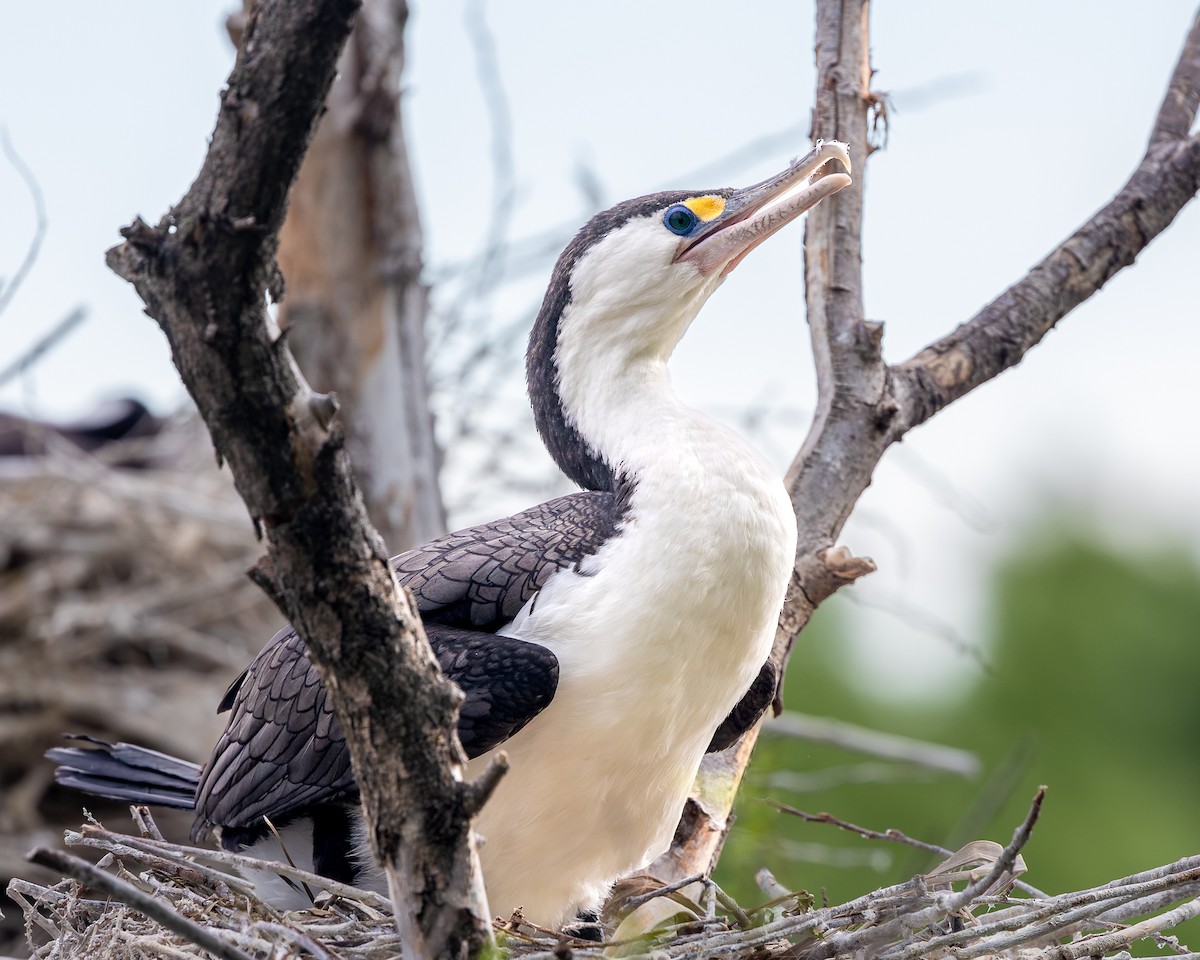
(864,405)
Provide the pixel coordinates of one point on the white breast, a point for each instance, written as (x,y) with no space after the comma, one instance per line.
(658,636)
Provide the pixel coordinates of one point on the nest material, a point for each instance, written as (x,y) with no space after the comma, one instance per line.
(924,917)
(124,612)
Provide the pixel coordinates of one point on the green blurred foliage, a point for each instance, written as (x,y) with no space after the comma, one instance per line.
(1093,691)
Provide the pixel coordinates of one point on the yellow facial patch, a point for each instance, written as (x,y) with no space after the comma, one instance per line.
(706,208)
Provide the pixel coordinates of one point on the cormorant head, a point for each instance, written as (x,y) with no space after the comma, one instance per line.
(631,281)
(640,272)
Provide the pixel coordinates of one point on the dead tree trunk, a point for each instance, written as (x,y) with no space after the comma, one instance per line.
(350,252)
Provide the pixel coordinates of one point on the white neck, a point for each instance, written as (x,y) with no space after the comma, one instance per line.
(617,392)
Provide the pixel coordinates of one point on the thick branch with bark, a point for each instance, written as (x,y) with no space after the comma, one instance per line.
(204,273)
(864,405)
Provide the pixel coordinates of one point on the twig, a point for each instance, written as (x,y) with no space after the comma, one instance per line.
(127,893)
(491,84)
(891,835)
(237,860)
(634,902)
(44,344)
(1178,110)
(1100,944)
(168,859)
(9,290)
(894,836)
(873,743)
(278,932)
(1004,863)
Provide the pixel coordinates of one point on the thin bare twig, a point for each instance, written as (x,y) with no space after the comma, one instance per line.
(491,84)
(127,893)
(664,891)
(44,344)
(1004,863)
(894,836)
(9,290)
(874,743)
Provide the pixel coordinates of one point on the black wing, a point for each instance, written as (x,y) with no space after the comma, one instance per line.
(746,711)
(481,577)
(283,752)
(506,683)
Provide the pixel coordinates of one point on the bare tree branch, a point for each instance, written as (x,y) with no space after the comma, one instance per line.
(1177,115)
(874,743)
(44,345)
(9,290)
(864,405)
(203,272)
(1000,335)
(846,348)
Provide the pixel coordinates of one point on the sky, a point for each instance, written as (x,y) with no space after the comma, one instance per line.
(1010,124)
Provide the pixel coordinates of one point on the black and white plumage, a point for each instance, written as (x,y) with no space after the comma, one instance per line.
(605,639)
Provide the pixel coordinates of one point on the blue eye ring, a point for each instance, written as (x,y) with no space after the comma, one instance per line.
(680,220)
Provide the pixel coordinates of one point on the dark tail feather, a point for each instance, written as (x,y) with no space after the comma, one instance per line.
(122,771)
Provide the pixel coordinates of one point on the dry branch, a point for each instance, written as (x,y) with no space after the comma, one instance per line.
(874,743)
(126,892)
(923,917)
(204,273)
(864,405)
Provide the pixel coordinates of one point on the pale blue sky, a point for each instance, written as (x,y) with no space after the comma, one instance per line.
(1013,121)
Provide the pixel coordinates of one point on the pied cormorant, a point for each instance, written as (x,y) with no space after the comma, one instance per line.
(605,640)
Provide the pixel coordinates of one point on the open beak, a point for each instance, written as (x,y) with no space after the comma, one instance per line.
(754,213)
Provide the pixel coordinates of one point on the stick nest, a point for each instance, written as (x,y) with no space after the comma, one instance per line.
(926,917)
(124,613)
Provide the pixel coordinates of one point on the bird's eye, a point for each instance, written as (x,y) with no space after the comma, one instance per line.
(679,219)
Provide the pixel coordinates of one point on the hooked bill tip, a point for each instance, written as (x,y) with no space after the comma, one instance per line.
(834,150)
